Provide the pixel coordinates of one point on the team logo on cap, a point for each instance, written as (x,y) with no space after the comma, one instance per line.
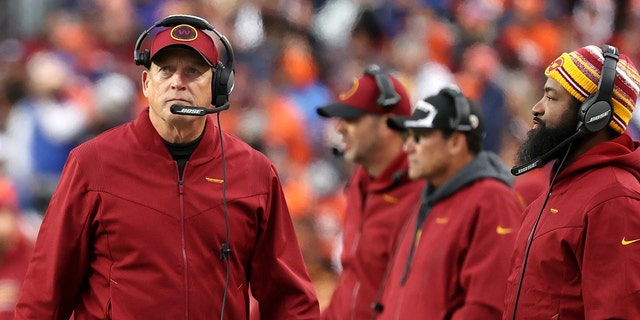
(555,65)
(184,32)
(350,92)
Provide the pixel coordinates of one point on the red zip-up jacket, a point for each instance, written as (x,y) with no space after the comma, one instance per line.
(460,262)
(125,238)
(376,209)
(584,261)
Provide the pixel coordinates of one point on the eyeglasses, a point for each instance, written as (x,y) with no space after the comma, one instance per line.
(413,135)
(417,135)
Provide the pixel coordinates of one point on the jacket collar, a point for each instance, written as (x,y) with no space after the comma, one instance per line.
(149,139)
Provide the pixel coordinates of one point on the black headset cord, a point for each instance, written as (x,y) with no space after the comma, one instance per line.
(533,230)
(225,250)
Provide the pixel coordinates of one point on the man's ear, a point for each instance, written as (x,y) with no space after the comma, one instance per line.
(144,79)
(458,142)
(388,132)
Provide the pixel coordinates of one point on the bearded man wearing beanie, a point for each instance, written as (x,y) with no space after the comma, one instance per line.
(578,250)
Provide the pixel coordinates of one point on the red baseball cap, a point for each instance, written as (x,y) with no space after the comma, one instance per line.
(363,97)
(188,36)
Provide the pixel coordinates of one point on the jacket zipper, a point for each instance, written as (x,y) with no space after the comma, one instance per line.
(356,288)
(184,251)
(354,298)
(424,211)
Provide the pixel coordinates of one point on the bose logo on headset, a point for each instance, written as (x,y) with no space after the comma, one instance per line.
(186,27)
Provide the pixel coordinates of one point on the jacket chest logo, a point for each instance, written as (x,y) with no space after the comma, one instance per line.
(213,180)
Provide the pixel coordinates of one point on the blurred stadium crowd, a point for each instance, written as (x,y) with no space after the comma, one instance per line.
(67,74)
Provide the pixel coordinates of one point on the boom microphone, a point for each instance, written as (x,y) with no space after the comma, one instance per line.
(543,159)
(337,152)
(196,111)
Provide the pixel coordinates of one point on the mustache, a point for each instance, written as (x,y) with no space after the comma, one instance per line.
(538,121)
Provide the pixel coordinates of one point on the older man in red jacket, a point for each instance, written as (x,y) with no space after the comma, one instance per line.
(167,216)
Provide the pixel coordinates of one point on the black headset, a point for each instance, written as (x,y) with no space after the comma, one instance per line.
(596,111)
(462,121)
(223,79)
(388,94)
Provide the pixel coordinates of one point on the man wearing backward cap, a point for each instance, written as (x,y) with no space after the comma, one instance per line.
(577,253)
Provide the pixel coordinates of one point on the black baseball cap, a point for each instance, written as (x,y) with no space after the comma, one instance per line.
(440,112)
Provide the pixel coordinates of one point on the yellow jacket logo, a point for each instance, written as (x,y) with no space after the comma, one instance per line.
(502,230)
(389,198)
(628,242)
(214,180)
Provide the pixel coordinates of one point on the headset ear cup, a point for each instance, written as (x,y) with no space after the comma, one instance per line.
(388,95)
(463,110)
(142,58)
(597,110)
(595,116)
(222,85)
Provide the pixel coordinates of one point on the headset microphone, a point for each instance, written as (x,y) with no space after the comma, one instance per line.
(196,111)
(543,159)
(337,152)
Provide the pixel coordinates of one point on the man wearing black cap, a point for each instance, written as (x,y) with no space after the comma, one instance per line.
(452,257)
(168,217)
(380,195)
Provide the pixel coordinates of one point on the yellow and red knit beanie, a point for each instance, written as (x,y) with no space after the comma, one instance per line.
(579,73)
